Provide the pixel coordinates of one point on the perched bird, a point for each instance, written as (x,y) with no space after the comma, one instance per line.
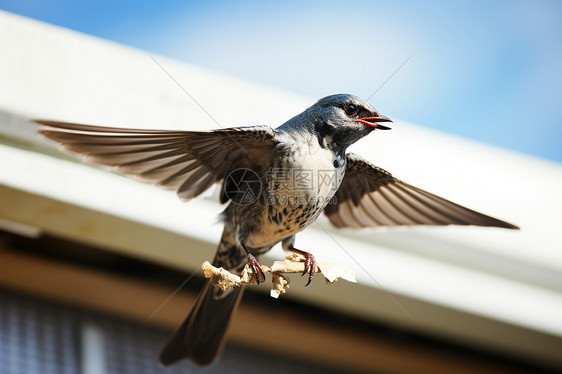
(276,183)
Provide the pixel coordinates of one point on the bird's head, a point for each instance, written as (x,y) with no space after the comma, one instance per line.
(339,120)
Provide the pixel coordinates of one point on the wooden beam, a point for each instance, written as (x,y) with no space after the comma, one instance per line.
(299,336)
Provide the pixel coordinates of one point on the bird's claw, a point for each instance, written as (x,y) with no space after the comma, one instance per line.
(258,272)
(309,266)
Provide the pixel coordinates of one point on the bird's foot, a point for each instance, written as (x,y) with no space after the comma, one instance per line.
(310,266)
(258,272)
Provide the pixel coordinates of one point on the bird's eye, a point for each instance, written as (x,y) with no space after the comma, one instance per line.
(350,109)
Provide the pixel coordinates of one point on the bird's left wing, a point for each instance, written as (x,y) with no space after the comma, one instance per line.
(188,162)
(369,197)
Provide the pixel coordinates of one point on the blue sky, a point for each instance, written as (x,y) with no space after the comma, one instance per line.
(487,70)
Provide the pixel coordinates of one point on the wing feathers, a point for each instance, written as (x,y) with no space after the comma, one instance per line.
(369,196)
(186,161)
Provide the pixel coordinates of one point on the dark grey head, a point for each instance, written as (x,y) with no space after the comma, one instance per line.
(337,120)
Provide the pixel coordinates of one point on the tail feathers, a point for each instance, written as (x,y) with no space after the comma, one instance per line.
(201,336)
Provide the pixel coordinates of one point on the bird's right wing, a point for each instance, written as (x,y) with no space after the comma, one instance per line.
(370,197)
(188,162)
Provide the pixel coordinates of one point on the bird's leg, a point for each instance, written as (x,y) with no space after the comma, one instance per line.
(310,266)
(309,263)
(258,272)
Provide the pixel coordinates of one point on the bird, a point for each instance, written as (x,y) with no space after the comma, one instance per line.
(275,182)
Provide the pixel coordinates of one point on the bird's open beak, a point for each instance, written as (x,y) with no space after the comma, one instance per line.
(373,121)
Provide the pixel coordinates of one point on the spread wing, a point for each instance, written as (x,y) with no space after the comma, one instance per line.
(188,162)
(369,197)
